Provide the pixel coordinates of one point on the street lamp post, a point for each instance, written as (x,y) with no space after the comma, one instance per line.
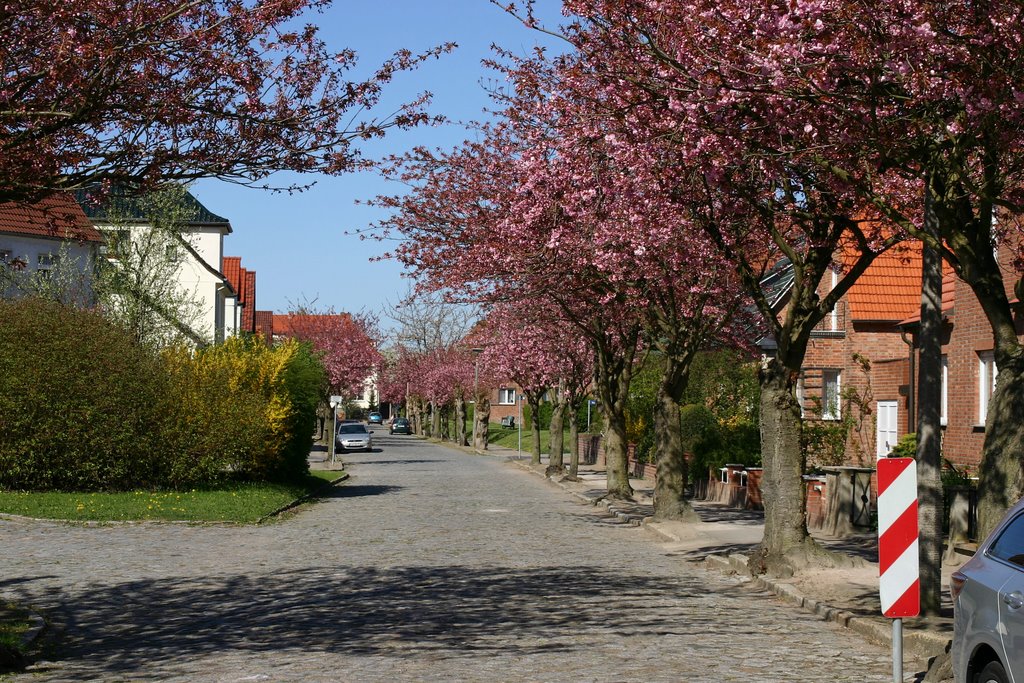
(519,402)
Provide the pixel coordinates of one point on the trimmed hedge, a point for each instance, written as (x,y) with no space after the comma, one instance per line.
(77,399)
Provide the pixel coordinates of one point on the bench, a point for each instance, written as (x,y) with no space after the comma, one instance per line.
(509,421)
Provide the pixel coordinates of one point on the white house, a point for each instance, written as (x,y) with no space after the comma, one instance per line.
(48,239)
(200,268)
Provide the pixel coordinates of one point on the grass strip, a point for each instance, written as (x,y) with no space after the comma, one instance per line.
(14,624)
(239,502)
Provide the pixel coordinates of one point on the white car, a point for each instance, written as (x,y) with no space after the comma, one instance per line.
(353,436)
(988,607)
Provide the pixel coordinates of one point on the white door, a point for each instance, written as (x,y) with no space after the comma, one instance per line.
(885,439)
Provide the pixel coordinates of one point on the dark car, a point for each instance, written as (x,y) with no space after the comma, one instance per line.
(353,437)
(988,607)
(375,419)
(401,426)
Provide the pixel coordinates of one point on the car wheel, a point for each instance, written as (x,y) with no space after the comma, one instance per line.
(992,673)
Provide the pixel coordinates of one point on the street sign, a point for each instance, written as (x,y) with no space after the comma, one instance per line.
(898,561)
(336,400)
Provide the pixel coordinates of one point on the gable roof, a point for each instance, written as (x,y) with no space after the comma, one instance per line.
(233,272)
(132,210)
(56,217)
(290,324)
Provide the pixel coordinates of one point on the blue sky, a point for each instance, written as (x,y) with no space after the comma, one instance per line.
(297,243)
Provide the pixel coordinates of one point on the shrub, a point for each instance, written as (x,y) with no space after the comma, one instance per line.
(77,400)
(543,417)
(699,433)
(273,392)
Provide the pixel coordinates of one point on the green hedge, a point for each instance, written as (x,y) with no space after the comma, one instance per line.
(77,400)
(85,408)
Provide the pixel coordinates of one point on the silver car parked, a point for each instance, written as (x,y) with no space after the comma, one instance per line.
(988,607)
(353,436)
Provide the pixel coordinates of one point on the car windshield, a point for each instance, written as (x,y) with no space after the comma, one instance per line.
(351,429)
(401,421)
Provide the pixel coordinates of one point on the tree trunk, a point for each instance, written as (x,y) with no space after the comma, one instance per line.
(786,545)
(1001,478)
(574,443)
(617,457)
(435,420)
(446,422)
(929,434)
(670,483)
(533,399)
(556,463)
(460,421)
(481,419)
(613,376)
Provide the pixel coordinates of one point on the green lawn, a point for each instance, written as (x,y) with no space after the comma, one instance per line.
(242,503)
(509,438)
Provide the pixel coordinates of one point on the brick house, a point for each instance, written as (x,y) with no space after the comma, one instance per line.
(862,361)
(856,372)
(968,366)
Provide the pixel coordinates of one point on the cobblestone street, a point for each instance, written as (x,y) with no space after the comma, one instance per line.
(427,565)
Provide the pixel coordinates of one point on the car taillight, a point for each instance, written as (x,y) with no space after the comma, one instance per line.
(956,584)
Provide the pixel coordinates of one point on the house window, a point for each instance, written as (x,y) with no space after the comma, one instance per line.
(987,374)
(44,264)
(117,243)
(6,255)
(945,391)
(506,397)
(830,394)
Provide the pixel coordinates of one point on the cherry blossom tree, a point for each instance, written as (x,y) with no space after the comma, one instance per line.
(136,94)
(347,345)
(885,104)
(664,77)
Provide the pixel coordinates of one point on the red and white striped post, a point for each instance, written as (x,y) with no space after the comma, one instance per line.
(899,582)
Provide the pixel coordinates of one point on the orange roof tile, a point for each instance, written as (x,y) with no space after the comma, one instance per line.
(58,217)
(232,271)
(264,323)
(948,297)
(890,289)
(285,325)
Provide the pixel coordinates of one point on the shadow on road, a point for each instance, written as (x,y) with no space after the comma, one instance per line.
(409,611)
(357,490)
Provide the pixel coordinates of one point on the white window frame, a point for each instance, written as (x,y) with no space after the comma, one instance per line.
(800,394)
(506,396)
(45,262)
(987,375)
(831,412)
(834,313)
(944,403)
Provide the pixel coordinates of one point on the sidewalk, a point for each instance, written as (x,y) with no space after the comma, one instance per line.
(721,540)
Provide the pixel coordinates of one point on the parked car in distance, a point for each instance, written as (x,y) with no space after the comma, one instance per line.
(988,607)
(375,419)
(353,436)
(400,425)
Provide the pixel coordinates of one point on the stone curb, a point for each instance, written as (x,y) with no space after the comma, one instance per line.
(923,644)
(299,501)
